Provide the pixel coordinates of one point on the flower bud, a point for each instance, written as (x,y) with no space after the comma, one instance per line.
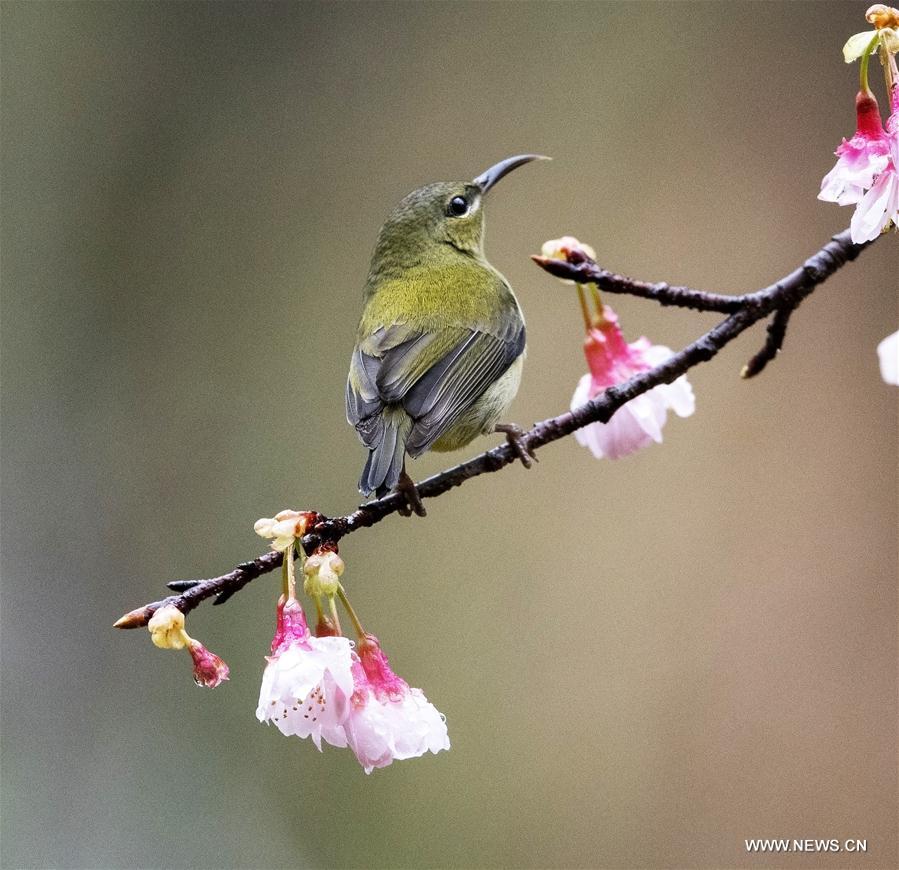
(263,527)
(323,569)
(568,248)
(132,619)
(284,528)
(167,628)
(209,670)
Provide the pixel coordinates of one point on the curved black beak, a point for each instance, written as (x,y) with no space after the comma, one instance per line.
(487,179)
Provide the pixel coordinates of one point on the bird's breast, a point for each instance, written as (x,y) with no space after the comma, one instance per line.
(466,294)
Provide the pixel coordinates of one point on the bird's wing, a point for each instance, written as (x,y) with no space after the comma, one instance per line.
(435,376)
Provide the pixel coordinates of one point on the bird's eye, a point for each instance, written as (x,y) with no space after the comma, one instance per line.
(457,207)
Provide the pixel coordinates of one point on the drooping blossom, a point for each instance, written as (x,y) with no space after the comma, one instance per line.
(639,422)
(888,356)
(308,680)
(209,670)
(879,207)
(389,721)
(860,158)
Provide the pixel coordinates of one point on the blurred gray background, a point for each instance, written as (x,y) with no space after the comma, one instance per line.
(642,663)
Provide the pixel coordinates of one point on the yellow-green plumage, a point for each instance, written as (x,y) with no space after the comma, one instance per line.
(439,348)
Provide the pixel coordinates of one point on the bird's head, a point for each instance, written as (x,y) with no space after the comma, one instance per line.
(442,213)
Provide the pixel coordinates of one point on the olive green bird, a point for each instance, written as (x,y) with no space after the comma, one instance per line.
(440,345)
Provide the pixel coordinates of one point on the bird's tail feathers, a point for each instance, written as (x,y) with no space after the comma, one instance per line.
(385,461)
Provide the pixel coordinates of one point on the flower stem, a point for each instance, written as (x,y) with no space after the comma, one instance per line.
(341,593)
(598,318)
(319,613)
(585,311)
(863,66)
(332,606)
(290,582)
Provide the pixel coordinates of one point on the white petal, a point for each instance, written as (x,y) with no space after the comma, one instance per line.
(888,355)
(337,654)
(581,392)
(263,527)
(856,44)
(650,411)
(622,435)
(435,735)
(846,186)
(285,529)
(679,396)
(591,437)
(656,354)
(833,184)
(381,731)
(889,39)
(305,689)
(585,436)
(876,208)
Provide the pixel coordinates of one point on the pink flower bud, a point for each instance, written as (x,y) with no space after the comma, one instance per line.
(209,669)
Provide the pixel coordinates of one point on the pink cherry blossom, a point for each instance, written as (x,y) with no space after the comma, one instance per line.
(861,158)
(388,720)
(880,205)
(209,670)
(611,361)
(308,680)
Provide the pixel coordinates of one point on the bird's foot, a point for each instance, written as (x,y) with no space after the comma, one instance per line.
(406,488)
(515,435)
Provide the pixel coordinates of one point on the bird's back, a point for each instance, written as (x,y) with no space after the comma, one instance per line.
(433,339)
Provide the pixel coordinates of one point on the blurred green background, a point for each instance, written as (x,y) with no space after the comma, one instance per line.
(642,663)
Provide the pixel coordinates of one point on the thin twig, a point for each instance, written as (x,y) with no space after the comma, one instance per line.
(745,310)
(585,271)
(777,331)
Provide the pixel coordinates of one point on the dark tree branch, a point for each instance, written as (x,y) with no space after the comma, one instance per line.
(777,331)
(780,299)
(584,271)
